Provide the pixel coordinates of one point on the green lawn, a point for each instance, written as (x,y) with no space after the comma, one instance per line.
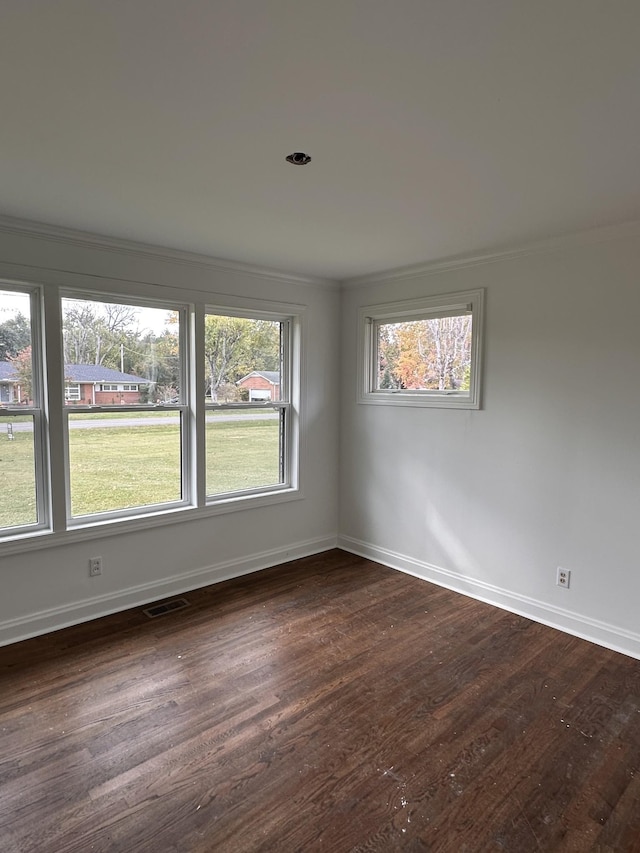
(118,467)
(16,419)
(17,490)
(242,455)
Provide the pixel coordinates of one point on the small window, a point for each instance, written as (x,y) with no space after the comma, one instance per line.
(108,387)
(129,387)
(423,352)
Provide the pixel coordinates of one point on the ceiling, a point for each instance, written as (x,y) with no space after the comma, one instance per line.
(436,127)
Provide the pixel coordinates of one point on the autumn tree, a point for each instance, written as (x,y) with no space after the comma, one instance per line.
(23,370)
(429,354)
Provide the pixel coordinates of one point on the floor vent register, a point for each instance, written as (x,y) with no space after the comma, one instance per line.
(165,607)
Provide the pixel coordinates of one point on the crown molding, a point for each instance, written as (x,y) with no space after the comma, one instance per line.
(581,238)
(90,240)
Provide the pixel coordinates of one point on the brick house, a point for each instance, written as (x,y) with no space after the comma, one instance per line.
(91,384)
(262,385)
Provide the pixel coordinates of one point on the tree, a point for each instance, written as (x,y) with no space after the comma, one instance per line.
(388,353)
(23,370)
(432,353)
(452,345)
(108,334)
(157,359)
(93,335)
(15,335)
(234,346)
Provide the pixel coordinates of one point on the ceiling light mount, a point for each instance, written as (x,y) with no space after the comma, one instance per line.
(298,158)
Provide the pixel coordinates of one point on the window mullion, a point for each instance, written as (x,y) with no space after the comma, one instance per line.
(197,405)
(54,407)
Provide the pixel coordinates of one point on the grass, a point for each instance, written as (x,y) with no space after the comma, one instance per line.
(17,488)
(121,467)
(131,466)
(16,419)
(242,456)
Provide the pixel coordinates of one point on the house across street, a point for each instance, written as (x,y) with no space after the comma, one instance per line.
(92,384)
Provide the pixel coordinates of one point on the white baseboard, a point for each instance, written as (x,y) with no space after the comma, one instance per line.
(13,630)
(601,633)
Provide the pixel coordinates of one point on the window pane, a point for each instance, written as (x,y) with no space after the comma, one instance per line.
(120,354)
(17,472)
(243,449)
(242,359)
(425,355)
(16,368)
(123,460)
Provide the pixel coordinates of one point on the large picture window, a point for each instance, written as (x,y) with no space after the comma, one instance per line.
(423,352)
(149,407)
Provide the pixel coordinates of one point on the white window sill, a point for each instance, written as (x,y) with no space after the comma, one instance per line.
(422,400)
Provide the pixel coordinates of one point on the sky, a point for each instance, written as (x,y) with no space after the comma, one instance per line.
(12,303)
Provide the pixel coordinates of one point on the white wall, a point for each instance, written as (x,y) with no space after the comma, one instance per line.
(47,588)
(487,502)
(546,474)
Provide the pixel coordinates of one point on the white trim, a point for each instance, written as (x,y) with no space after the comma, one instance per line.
(86,239)
(594,630)
(152,293)
(44,621)
(36,540)
(577,239)
(90,240)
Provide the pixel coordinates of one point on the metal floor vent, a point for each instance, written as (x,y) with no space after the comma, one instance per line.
(165,607)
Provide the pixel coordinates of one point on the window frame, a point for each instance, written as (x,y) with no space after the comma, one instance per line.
(39,412)
(55,526)
(182,408)
(284,405)
(371,317)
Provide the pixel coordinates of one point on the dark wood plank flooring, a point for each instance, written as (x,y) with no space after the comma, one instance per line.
(330,704)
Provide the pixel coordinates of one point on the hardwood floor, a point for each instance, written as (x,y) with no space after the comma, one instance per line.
(329,704)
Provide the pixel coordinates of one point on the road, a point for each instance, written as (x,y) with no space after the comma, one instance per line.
(138,421)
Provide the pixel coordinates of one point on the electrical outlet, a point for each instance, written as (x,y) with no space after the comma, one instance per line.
(95,567)
(563,577)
